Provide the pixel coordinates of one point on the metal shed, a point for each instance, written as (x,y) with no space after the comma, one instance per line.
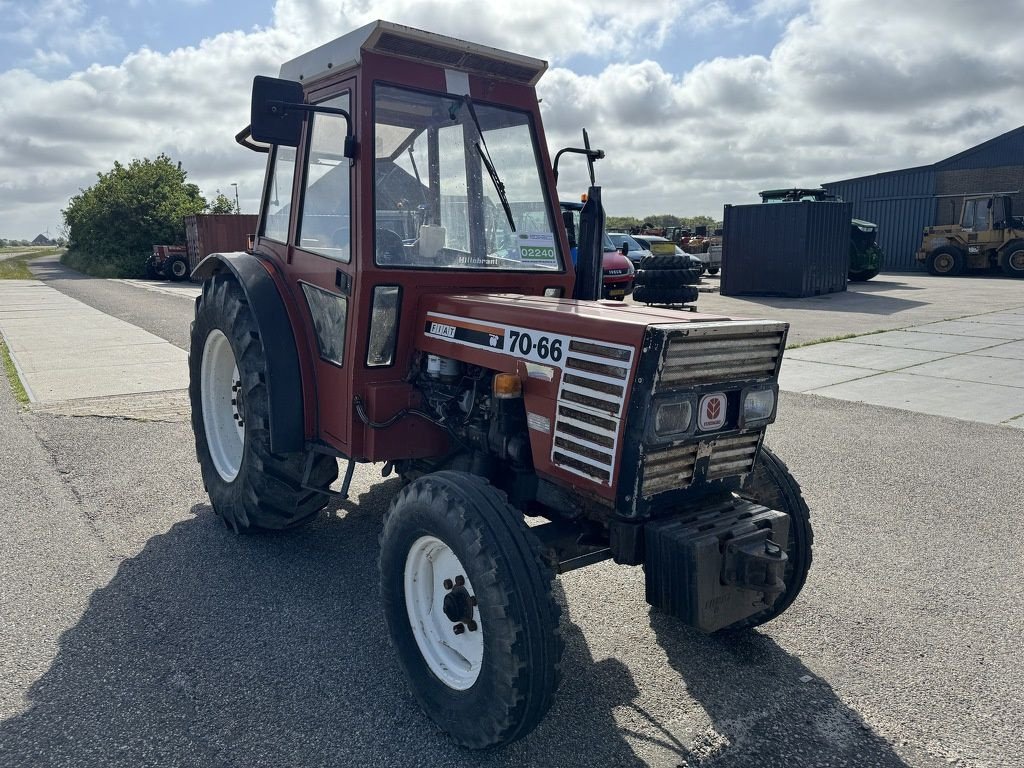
(906,201)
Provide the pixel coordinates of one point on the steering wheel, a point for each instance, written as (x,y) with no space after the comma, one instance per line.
(389,247)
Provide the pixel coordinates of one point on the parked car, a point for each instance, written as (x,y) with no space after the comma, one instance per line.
(647,241)
(618,270)
(636,250)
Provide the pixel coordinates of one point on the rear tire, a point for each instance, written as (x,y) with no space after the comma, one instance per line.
(945,261)
(862,276)
(772,485)
(494,680)
(176,268)
(1011,260)
(684,294)
(250,487)
(713,270)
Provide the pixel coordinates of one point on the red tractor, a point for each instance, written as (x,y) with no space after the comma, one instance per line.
(409,299)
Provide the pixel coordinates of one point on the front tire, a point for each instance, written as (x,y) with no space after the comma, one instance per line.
(250,487)
(862,275)
(945,261)
(772,485)
(468,605)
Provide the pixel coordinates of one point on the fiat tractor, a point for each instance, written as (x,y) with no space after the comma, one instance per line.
(409,300)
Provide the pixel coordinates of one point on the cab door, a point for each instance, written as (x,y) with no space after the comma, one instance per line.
(321,271)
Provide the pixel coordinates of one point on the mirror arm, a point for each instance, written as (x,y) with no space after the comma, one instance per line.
(591,155)
(351,146)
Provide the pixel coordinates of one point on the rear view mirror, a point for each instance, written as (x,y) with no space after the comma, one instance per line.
(271,120)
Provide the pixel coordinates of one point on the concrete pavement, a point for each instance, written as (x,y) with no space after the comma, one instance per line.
(64,349)
(971,368)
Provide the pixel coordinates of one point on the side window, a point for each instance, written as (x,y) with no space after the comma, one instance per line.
(981,210)
(279,194)
(326,219)
(968,222)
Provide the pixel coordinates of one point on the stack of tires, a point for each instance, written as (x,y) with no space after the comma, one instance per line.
(666,279)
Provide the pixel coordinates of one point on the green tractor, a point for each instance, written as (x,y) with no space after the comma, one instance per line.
(865,255)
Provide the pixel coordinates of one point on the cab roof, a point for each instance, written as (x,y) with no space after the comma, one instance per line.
(389,39)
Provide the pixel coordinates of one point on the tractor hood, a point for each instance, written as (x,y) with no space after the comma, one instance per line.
(517,325)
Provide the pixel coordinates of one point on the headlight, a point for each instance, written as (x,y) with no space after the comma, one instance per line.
(632,269)
(672,418)
(758,405)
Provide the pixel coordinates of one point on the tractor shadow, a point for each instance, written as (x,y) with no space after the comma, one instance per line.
(765,706)
(212,649)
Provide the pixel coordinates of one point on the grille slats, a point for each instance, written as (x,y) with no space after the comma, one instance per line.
(591,399)
(709,358)
(673,468)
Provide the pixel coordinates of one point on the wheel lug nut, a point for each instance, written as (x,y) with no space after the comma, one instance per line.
(458,629)
(448,584)
(460,580)
(471,625)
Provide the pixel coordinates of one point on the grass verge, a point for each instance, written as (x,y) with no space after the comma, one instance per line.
(17,388)
(106,268)
(16,267)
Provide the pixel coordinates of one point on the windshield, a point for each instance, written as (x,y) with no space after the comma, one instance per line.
(437,205)
(618,238)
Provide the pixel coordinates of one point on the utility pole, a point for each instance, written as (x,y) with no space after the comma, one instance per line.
(238,208)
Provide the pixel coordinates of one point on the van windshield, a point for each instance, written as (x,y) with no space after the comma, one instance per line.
(436,207)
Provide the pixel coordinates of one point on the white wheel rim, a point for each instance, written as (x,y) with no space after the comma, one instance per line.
(454,658)
(178,268)
(223,415)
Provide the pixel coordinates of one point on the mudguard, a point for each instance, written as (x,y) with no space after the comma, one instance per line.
(284,380)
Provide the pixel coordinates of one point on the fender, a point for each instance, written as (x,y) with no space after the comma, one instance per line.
(284,380)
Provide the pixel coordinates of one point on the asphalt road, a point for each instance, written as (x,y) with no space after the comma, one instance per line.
(136,630)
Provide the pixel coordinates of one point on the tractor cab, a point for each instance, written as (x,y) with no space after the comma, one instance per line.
(401,164)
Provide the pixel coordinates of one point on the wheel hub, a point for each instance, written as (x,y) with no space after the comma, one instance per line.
(459,604)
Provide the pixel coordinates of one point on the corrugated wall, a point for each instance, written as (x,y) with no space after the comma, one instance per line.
(901,203)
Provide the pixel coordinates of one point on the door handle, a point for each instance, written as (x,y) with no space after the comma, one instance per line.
(343,282)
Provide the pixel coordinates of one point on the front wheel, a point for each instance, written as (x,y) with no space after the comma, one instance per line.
(945,261)
(772,485)
(250,487)
(468,605)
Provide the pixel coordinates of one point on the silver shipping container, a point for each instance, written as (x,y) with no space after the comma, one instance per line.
(786,249)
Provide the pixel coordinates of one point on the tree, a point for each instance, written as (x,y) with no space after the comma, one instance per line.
(116,222)
(222,204)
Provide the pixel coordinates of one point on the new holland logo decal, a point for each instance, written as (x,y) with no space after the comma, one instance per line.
(711,413)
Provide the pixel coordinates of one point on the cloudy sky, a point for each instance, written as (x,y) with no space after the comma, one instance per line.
(696,102)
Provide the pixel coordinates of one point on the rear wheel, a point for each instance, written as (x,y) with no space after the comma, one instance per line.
(1011,260)
(772,485)
(468,605)
(177,268)
(862,275)
(946,261)
(250,487)
(713,270)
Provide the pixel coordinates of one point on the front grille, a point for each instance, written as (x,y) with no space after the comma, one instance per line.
(707,353)
(591,400)
(673,469)
(733,455)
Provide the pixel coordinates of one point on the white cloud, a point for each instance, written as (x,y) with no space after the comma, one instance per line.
(850,88)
